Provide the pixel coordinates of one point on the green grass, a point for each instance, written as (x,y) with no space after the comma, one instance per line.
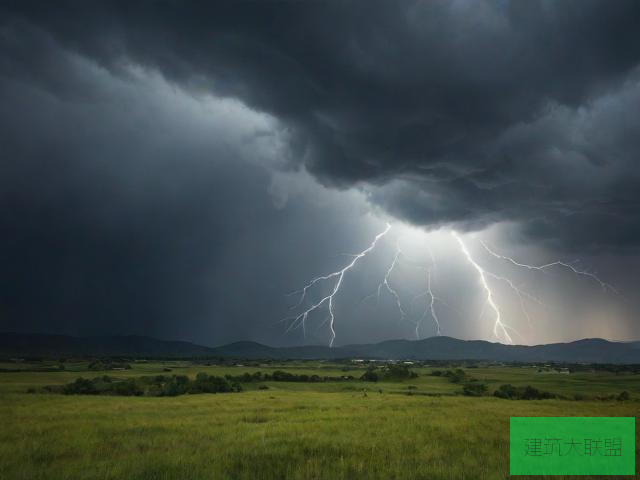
(587,384)
(292,430)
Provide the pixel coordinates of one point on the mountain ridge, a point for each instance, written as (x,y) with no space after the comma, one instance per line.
(588,350)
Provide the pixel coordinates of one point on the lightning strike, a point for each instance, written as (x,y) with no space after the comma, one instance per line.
(521,294)
(432,297)
(429,307)
(385,283)
(498,324)
(300,320)
(604,285)
(501,330)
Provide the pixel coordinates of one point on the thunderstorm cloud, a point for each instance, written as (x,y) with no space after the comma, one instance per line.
(163,161)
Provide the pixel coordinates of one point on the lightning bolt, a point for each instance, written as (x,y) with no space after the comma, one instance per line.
(501,330)
(432,297)
(604,285)
(429,307)
(521,294)
(385,282)
(300,320)
(482,275)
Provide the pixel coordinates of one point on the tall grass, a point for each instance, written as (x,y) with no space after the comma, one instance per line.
(291,431)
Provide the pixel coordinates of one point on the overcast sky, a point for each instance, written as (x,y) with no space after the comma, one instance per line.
(174,169)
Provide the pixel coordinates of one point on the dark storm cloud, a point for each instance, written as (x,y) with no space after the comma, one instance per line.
(95,239)
(130,207)
(463,112)
(133,205)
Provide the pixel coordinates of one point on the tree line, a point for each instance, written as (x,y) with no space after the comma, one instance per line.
(151,386)
(172,385)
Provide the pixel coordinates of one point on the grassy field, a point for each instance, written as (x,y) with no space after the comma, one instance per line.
(328,430)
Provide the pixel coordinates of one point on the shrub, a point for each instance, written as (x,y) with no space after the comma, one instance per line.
(474,389)
(99,365)
(81,386)
(370,375)
(623,396)
(510,392)
(128,388)
(158,385)
(507,391)
(531,393)
(389,372)
(282,376)
(456,376)
(210,384)
(172,389)
(399,372)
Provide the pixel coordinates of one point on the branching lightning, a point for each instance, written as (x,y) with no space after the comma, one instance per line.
(501,330)
(498,324)
(430,307)
(385,282)
(300,320)
(431,298)
(521,294)
(604,285)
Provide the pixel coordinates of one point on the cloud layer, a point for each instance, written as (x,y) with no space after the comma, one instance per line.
(163,162)
(445,112)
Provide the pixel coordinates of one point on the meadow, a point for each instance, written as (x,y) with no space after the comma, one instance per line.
(418,428)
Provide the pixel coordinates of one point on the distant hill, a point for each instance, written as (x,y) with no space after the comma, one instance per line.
(593,350)
(447,348)
(109,346)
